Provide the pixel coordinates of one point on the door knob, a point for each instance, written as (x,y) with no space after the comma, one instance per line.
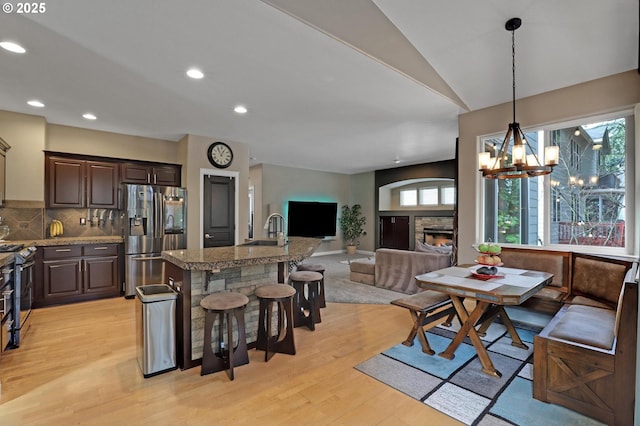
(207,236)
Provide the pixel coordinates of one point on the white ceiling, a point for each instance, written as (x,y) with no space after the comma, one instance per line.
(340,85)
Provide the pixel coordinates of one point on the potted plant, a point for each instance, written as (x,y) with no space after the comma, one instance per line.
(351,224)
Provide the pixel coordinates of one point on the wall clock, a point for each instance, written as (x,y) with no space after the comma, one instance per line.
(220,155)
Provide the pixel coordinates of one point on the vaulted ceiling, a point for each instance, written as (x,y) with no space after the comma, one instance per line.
(338,85)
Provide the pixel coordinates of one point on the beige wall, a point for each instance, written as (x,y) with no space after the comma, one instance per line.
(30,135)
(610,94)
(194,150)
(255,180)
(76,140)
(362,191)
(25,160)
(281,184)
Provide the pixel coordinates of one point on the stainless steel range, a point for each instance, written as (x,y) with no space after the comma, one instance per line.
(6,311)
(23,292)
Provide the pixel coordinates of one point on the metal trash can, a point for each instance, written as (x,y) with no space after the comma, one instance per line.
(156,329)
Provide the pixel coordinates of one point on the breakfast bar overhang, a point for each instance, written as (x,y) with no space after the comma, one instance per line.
(194,273)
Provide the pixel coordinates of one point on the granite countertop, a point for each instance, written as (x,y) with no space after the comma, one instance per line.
(63,241)
(5,259)
(215,258)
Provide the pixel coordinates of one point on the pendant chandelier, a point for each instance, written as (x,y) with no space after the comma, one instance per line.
(515,163)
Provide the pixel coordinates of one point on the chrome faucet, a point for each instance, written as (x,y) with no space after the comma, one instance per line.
(278,224)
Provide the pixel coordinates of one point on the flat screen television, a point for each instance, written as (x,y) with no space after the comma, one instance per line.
(312,219)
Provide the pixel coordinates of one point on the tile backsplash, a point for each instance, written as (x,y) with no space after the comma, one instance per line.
(33,223)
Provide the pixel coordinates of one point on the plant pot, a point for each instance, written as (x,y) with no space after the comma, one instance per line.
(351,249)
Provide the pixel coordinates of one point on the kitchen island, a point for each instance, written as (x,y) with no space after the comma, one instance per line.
(195,273)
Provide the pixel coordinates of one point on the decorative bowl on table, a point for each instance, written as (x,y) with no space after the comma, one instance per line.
(488,254)
(486,272)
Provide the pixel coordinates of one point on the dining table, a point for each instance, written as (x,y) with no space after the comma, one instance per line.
(491,293)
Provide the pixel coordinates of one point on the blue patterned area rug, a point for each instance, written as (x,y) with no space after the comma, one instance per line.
(461,390)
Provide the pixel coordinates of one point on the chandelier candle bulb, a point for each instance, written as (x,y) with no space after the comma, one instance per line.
(518,154)
(551,155)
(484,159)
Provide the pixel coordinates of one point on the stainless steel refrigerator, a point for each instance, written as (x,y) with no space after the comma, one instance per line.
(155,220)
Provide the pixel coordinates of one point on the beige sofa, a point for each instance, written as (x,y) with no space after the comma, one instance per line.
(396,269)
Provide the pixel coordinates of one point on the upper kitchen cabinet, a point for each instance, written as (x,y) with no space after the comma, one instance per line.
(75,183)
(153,174)
(102,185)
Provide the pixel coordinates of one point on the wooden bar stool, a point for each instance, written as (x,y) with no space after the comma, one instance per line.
(306,300)
(319,269)
(271,295)
(224,306)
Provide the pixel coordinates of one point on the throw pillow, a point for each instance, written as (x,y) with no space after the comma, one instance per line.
(428,248)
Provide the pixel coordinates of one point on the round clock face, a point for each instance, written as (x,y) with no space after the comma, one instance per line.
(220,155)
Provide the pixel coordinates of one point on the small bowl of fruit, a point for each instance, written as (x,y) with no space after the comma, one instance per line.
(488,254)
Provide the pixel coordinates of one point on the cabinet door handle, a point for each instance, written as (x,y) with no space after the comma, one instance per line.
(62,250)
(100,248)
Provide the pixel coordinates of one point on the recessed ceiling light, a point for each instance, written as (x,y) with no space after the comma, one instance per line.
(397,161)
(12,47)
(195,73)
(35,103)
(240,109)
(89,116)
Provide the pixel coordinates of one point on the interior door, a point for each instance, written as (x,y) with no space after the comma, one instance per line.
(218,211)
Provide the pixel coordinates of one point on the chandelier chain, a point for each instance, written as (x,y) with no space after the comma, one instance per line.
(513,71)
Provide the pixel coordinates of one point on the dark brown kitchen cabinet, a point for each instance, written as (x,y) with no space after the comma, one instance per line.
(74,183)
(102,185)
(65,182)
(153,174)
(394,232)
(76,273)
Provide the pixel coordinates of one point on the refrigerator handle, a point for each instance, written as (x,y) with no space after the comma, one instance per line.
(159,214)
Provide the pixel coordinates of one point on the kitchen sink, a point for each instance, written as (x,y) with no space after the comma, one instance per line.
(260,243)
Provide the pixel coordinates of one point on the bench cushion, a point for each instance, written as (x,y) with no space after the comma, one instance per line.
(581,300)
(422,301)
(586,325)
(552,294)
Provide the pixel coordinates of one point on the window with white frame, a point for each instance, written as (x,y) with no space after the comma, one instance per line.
(581,203)
(447,195)
(429,196)
(408,197)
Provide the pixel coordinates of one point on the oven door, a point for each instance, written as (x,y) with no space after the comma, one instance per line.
(25,297)
(5,333)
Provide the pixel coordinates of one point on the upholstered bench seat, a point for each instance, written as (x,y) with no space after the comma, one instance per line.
(586,325)
(363,271)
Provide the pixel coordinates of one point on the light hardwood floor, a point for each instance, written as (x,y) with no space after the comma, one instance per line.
(77,365)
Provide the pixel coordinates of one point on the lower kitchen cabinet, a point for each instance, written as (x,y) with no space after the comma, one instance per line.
(77,273)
